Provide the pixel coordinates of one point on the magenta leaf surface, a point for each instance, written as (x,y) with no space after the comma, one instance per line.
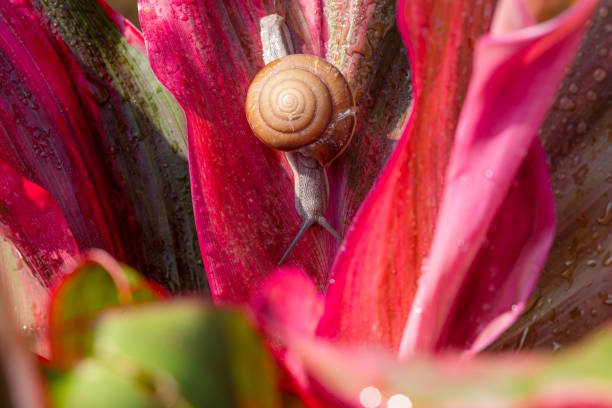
(84,118)
(206,53)
(574,294)
(490,245)
(33,221)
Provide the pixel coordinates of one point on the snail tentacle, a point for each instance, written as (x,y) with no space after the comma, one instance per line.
(322,221)
(307,223)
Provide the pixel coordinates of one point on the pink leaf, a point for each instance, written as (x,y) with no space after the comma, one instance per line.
(496,221)
(574,293)
(132,35)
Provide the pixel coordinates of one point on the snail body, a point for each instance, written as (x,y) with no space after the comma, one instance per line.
(302,104)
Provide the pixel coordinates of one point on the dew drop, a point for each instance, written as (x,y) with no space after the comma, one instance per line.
(591,263)
(576,313)
(608,260)
(606,298)
(573,88)
(599,74)
(488,173)
(566,103)
(418,310)
(606,217)
(603,51)
(556,346)
(591,95)
(604,12)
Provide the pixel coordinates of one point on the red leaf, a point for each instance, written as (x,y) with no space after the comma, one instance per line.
(132,35)
(365,45)
(242,190)
(377,280)
(33,221)
(377,269)
(206,52)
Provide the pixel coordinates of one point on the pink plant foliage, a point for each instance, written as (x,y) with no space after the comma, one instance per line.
(496,220)
(467,240)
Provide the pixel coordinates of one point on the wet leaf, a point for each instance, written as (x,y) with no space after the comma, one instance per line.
(84,118)
(574,294)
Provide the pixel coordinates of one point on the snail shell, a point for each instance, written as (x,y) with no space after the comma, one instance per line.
(302,102)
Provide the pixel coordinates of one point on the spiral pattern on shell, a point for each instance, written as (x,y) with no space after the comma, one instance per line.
(299,102)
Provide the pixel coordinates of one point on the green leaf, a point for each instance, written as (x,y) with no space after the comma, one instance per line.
(95,385)
(179,354)
(98,284)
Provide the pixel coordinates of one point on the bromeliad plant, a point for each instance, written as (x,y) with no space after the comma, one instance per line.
(443,195)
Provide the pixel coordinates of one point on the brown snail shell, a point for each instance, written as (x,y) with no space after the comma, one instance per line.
(304,103)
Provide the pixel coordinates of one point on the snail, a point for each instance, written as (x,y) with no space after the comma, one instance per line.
(302,105)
